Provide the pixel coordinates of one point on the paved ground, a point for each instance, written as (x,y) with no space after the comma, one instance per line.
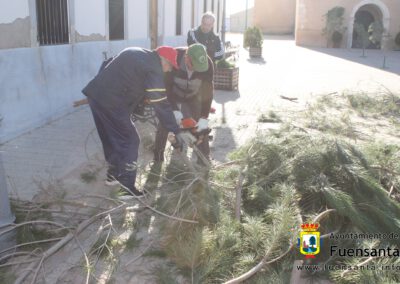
(59,148)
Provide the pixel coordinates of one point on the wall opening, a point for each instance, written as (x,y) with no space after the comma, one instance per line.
(52,21)
(366,16)
(116,19)
(378,10)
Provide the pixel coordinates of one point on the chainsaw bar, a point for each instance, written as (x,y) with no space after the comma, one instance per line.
(190,140)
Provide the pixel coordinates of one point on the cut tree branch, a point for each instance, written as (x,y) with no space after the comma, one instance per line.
(15,226)
(66,240)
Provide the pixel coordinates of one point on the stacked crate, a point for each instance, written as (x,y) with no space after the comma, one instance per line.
(226,78)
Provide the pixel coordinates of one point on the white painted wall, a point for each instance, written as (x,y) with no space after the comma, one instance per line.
(138,19)
(186,16)
(221,4)
(90,17)
(12,10)
(208,5)
(169,18)
(198,11)
(160,20)
(39,84)
(169,37)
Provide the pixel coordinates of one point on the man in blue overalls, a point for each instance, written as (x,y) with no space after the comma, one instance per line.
(130,77)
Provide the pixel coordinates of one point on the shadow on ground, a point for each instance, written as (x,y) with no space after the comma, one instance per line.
(259,61)
(385,60)
(222,97)
(223,143)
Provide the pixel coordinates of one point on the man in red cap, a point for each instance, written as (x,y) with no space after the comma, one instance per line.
(190,92)
(130,77)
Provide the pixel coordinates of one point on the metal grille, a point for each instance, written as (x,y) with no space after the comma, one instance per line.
(116,19)
(52,20)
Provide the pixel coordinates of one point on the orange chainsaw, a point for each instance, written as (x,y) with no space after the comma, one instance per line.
(189,125)
(192,138)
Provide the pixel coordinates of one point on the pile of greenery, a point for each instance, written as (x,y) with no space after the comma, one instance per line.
(253,37)
(285,178)
(224,63)
(334,28)
(288,178)
(375,110)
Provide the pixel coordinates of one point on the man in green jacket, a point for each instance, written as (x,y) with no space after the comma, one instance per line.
(190,93)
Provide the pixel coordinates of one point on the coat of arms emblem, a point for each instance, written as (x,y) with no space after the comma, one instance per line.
(309,241)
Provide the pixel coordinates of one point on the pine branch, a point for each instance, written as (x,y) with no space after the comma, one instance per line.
(239,195)
(359,265)
(258,267)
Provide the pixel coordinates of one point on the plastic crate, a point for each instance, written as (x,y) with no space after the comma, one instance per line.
(226,78)
(255,52)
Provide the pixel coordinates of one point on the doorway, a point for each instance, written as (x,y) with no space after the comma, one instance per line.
(366,13)
(366,16)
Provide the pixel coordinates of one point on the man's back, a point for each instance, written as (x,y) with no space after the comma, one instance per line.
(122,80)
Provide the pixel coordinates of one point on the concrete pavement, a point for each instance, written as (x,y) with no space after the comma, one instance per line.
(49,152)
(58,148)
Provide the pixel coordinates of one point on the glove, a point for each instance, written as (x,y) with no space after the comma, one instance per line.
(176,141)
(178,116)
(202,124)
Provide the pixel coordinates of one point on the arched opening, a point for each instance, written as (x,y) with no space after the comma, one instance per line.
(366,16)
(365,13)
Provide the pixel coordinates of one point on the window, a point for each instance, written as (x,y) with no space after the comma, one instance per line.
(178,17)
(52,21)
(116,19)
(212,6)
(205,6)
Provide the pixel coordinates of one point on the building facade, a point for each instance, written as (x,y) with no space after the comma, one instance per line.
(49,50)
(275,16)
(307,20)
(310,20)
(239,21)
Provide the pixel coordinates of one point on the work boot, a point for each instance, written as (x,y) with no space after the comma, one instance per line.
(111,176)
(125,194)
(111,180)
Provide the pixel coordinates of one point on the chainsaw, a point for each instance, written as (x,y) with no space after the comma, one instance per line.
(192,137)
(189,125)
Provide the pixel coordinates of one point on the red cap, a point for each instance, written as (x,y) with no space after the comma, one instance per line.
(169,53)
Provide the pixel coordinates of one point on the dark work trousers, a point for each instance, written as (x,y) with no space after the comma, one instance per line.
(189,109)
(120,141)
